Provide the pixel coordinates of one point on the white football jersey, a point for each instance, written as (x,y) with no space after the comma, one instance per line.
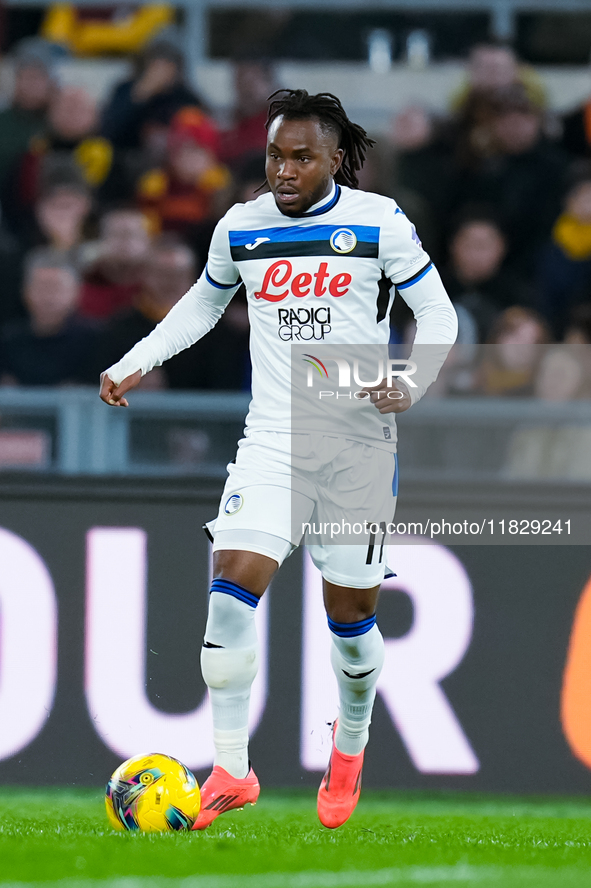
(311,280)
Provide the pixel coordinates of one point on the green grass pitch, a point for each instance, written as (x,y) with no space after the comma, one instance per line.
(62,838)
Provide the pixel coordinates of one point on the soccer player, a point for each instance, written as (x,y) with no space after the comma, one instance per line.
(315,240)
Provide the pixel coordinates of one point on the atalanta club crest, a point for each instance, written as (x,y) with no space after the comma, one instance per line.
(343,240)
(233,504)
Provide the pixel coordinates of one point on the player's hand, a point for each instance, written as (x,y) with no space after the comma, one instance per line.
(113,394)
(389,398)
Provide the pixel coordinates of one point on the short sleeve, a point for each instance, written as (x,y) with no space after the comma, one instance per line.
(221,270)
(402,255)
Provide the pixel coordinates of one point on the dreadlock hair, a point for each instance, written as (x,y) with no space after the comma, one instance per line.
(298,104)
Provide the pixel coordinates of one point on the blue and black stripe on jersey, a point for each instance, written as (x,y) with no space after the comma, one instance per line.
(217,284)
(416,277)
(305,240)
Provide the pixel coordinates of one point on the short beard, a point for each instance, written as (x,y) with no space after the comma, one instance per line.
(314,199)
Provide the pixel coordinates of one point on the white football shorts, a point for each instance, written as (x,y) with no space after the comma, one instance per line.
(334,495)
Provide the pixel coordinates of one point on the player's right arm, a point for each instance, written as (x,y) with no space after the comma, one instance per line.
(187,322)
(417,281)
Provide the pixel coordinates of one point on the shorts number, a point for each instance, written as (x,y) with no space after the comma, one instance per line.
(372,544)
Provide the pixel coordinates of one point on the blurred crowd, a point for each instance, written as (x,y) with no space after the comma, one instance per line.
(107,213)
(500,190)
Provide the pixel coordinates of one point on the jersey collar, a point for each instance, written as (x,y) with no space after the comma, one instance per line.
(324,205)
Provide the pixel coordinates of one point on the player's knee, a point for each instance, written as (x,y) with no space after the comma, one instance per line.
(350,609)
(347,615)
(349,604)
(251,570)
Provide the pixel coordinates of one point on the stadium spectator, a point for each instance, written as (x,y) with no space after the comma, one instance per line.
(518,173)
(254,81)
(490,67)
(474,277)
(411,128)
(58,218)
(185,196)
(426,147)
(113,279)
(578,330)
(565,371)
(217,362)
(142,107)
(512,358)
(34,84)
(168,273)
(494,66)
(564,276)
(432,158)
(422,173)
(52,346)
(69,139)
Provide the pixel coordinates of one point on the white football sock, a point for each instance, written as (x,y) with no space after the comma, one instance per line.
(229,663)
(357,662)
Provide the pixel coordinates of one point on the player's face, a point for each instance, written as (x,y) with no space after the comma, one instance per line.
(302,160)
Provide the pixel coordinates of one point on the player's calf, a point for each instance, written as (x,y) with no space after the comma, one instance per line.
(229,660)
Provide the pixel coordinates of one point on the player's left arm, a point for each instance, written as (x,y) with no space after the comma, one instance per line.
(187,322)
(418,282)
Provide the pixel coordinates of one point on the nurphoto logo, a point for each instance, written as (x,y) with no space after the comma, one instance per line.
(387,370)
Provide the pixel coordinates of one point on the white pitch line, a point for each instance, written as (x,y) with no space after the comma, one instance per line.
(319,879)
(495,876)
